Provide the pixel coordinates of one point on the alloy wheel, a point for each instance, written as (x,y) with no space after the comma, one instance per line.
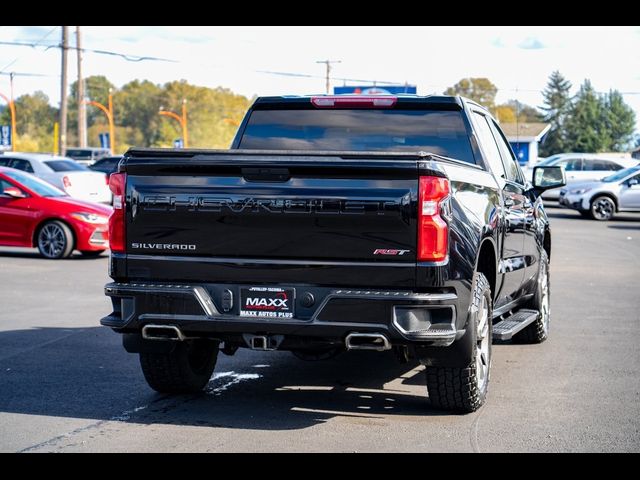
(52,241)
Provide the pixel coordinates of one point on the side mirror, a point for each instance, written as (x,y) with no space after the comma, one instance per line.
(13,192)
(545,178)
(633,182)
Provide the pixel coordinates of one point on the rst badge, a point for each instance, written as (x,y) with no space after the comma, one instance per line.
(389,251)
(267,302)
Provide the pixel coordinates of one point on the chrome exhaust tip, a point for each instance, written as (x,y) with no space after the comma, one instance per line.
(367,341)
(162,332)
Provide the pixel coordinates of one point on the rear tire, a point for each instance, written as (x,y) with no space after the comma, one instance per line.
(538,331)
(464,389)
(55,240)
(187,369)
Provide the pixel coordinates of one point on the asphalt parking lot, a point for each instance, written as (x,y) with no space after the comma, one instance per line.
(66,384)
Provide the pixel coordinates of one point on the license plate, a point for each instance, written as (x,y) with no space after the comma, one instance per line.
(267,302)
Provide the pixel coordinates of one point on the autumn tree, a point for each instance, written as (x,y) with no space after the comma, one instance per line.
(480,90)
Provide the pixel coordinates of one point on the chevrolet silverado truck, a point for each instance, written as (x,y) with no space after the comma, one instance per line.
(333,223)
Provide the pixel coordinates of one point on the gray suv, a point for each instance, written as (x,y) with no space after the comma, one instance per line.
(600,200)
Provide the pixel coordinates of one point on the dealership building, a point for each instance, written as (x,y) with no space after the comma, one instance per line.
(524,139)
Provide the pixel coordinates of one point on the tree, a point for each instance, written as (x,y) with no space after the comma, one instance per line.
(136,107)
(557,101)
(213,115)
(586,129)
(620,121)
(506,112)
(480,90)
(599,123)
(34,121)
(96,88)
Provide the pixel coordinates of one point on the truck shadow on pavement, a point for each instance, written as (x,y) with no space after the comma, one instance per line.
(85,373)
(10,252)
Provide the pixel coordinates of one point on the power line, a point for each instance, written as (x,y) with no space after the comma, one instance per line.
(343,79)
(17,58)
(26,74)
(387,82)
(127,57)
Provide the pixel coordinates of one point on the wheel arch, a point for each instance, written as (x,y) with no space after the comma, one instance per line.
(487,263)
(42,222)
(605,194)
(546,242)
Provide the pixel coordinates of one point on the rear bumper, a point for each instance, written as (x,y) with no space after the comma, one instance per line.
(403,317)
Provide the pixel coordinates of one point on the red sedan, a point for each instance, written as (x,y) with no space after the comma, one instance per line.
(34,213)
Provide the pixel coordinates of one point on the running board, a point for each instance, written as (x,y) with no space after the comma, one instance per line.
(507,328)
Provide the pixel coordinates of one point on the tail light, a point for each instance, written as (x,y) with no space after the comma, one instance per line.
(117,185)
(433,208)
(66,182)
(354,101)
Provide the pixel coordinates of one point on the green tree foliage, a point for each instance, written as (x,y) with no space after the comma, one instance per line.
(213,114)
(34,120)
(557,102)
(598,123)
(480,90)
(620,121)
(136,107)
(585,131)
(96,88)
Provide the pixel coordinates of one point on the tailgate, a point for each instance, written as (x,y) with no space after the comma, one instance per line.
(252,218)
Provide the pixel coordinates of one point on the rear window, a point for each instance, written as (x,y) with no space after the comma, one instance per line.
(439,132)
(64,166)
(80,154)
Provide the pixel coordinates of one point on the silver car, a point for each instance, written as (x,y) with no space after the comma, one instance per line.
(600,200)
(63,172)
(584,167)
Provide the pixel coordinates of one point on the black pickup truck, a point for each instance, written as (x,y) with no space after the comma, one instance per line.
(333,223)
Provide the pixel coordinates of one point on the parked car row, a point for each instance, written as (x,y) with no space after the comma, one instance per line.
(598,185)
(68,175)
(583,167)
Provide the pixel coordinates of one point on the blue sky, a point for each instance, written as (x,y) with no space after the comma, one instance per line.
(517,59)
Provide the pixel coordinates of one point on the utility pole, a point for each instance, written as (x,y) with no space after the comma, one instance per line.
(12,108)
(82,107)
(63,92)
(328,77)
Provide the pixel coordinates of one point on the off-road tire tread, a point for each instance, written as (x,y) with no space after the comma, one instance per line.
(453,388)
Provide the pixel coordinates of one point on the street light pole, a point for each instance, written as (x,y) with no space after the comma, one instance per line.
(109,114)
(112,127)
(182,120)
(82,107)
(12,113)
(185,133)
(63,92)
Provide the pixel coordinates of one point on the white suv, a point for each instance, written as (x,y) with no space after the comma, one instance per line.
(584,167)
